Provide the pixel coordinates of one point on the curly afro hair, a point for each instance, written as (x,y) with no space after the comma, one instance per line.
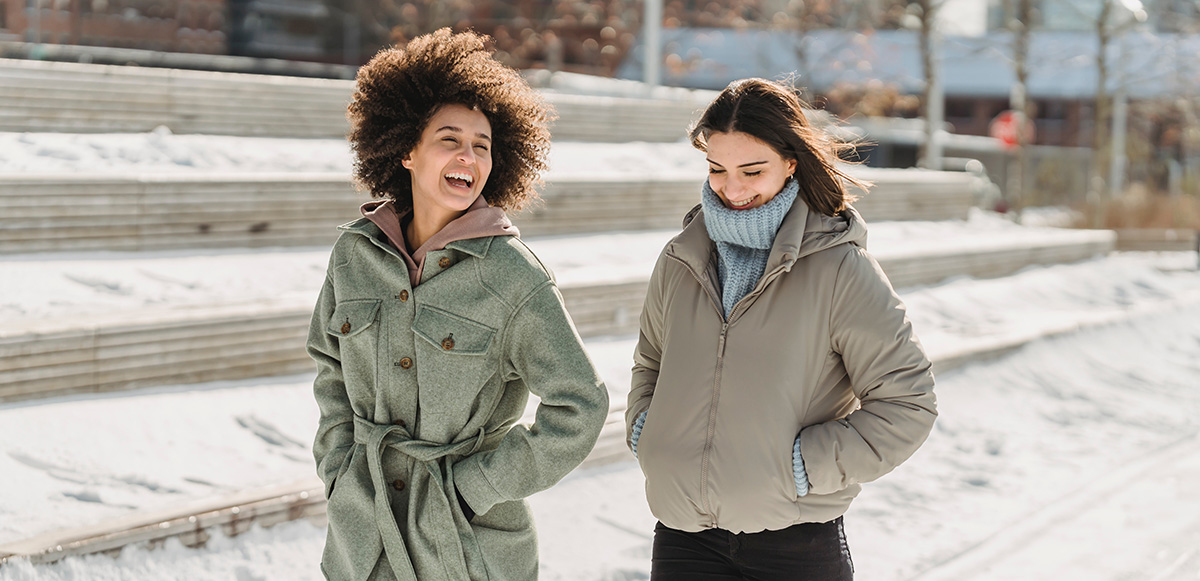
(400,90)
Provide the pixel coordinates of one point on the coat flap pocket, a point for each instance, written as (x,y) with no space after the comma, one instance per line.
(452,333)
(350,317)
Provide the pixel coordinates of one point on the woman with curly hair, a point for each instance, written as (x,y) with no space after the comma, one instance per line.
(776,369)
(435,324)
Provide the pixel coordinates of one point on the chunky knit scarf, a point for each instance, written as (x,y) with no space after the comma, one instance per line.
(743,239)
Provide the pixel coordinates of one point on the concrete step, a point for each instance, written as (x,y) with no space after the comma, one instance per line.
(1158,239)
(168,345)
(44,213)
(83,98)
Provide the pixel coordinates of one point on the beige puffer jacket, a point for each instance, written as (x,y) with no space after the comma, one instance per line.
(821,347)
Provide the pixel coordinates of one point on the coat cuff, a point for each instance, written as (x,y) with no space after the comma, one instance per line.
(798,472)
(474,485)
(637,432)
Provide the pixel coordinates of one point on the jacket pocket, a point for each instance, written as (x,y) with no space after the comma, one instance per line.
(352,317)
(451,333)
(342,469)
(507,541)
(354,325)
(453,364)
(790,475)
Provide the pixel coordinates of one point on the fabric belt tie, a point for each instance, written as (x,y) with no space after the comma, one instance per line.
(436,497)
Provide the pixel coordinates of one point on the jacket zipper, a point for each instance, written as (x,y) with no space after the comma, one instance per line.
(766,281)
(712,424)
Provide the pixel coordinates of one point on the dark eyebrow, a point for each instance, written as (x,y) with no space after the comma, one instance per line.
(459,130)
(743,165)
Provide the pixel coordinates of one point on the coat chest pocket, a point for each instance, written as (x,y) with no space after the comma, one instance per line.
(453,366)
(450,333)
(352,317)
(353,323)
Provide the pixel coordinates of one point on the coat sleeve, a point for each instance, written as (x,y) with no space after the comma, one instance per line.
(648,353)
(889,373)
(335,429)
(548,357)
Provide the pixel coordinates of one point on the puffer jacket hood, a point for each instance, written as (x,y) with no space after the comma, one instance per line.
(817,232)
(802,233)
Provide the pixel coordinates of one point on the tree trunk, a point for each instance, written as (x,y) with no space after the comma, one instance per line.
(1101,109)
(928,92)
(1019,190)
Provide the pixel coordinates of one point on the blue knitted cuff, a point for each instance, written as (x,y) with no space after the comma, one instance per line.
(798,472)
(637,431)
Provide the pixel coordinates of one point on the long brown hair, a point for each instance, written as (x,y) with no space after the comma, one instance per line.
(774,114)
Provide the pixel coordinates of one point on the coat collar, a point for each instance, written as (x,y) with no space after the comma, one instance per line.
(477,247)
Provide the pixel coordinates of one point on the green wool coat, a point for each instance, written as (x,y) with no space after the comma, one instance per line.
(420,390)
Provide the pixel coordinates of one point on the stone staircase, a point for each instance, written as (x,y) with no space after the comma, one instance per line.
(161,345)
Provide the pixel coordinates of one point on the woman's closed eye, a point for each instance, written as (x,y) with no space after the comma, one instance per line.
(751,174)
(715,170)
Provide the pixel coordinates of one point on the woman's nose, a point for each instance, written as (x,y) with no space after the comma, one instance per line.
(733,187)
(465,155)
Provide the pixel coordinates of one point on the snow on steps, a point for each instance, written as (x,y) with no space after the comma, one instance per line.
(1158,239)
(56,213)
(267,506)
(157,346)
(149,346)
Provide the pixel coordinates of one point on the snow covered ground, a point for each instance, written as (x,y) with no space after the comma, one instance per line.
(1076,452)
(161,152)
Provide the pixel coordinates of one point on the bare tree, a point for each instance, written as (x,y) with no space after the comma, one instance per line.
(1114,19)
(1020,24)
(1102,106)
(932,99)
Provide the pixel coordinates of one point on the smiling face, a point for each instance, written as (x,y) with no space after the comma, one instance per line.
(451,163)
(744,171)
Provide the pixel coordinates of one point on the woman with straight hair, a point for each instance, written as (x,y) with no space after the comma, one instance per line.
(435,324)
(776,369)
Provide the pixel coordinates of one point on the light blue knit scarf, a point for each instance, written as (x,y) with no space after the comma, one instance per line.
(743,239)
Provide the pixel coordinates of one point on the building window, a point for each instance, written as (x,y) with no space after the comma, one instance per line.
(3,16)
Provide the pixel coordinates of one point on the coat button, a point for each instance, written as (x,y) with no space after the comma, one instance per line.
(398,485)
(345,327)
(448,342)
(400,423)
(405,363)
(403,296)
(444,262)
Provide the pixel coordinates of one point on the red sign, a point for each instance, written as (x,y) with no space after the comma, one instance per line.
(1005,126)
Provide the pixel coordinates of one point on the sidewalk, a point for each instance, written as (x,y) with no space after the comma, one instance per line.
(1141,521)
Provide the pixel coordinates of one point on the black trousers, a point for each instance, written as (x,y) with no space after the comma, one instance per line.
(803,552)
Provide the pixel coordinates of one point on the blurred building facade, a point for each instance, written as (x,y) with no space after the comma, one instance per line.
(191,26)
(573,35)
(857,56)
